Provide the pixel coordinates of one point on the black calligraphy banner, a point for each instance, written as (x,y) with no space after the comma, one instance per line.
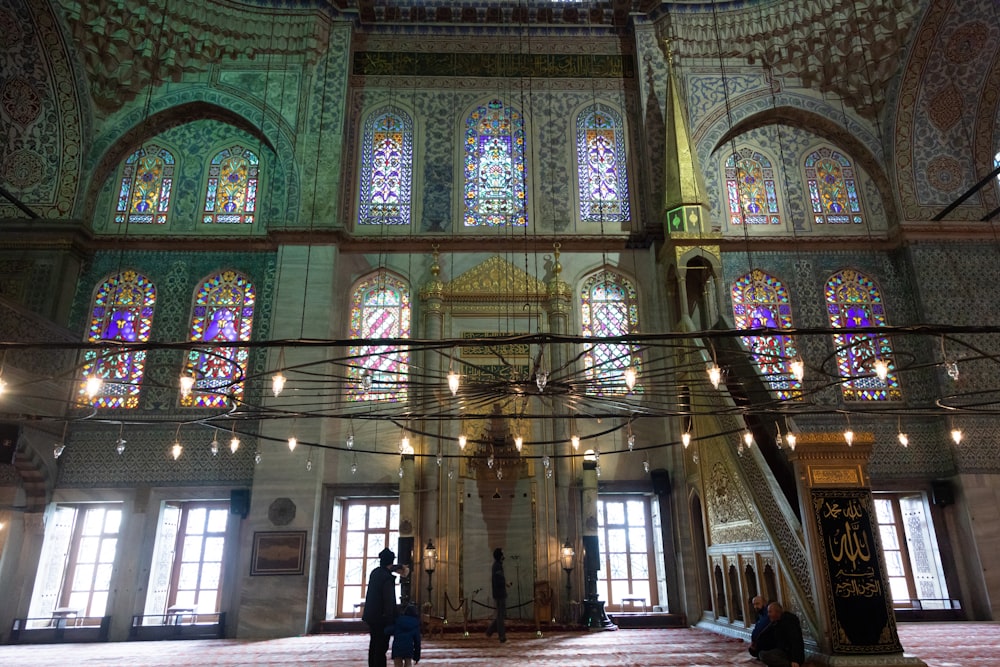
(857,593)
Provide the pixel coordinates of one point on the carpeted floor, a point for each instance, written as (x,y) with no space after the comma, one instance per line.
(939,644)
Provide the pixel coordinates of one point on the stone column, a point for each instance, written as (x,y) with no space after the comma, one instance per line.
(594,617)
(850,586)
(407,517)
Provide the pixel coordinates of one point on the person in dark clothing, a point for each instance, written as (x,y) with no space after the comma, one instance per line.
(780,642)
(405,637)
(380,608)
(760,608)
(499,583)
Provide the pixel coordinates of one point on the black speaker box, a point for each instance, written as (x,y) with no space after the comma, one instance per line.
(942,492)
(661,481)
(591,553)
(9,435)
(239,502)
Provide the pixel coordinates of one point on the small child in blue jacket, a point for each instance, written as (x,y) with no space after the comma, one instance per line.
(405,637)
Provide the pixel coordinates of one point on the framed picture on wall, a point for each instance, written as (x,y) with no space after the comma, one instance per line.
(278,552)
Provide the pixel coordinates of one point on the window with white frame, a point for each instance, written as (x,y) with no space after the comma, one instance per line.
(913,563)
(628,536)
(362,527)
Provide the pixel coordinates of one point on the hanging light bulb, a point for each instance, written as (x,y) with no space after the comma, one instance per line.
(739,449)
(575,441)
(849,437)
(798,369)
(400,472)
(956,435)
(454,380)
(309,464)
(234,444)
(3,385)
(777,439)
(546,461)
(176,450)
(548,473)
(489,461)
(366,381)
(257,458)
(631,441)
(215,446)
(686,439)
(499,473)
(354,467)
(518,442)
(93,385)
(694,458)
(120,446)
(462,441)
(541,379)
(451,473)
(792,441)
(350,440)
(951,367)
(715,375)
(187,384)
(58,449)
(440,459)
(404,445)
(881,369)
(277,383)
(293,442)
(904,440)
(645,465)
(630,377)
(748,438)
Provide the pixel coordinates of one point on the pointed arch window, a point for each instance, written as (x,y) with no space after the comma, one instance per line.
(760,301)
(122,312)
(750,187)
(147,179)
(495,193)
(380,308)
(386,169)
(600,151)
(832,188)
(231,195)
(854,300)
(609,308)
(222,312)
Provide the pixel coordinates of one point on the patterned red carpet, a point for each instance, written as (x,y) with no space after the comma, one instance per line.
(940,645)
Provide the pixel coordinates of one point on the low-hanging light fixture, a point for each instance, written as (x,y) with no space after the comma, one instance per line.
(462,441)
(454,379)
(186,383)
(60,447)
(798,369)
(748,438)
(278,379)
(214,446)
(234,444)
(92,385)
(349,440)
(120,443)
(176,450)
(904,440)
(848,433)
(630,377)
(686,439)
(575,441)
(956,436)
(791,439)
(881,367)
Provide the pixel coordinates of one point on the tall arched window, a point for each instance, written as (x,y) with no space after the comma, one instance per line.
(832,189)
(609,307)
(495,192)
(222,312)
(854,300)
(231,196)
(123,312)
(380,308)
(761,301)
(600,154)
(147,178)
(386,169)
(750,186)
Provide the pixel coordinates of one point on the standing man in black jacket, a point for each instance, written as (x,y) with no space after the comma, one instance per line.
(780,643)
(499,596)
(380,607)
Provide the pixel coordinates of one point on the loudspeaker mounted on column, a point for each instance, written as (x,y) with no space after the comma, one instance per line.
(661,481)
(942,492)
(239,502)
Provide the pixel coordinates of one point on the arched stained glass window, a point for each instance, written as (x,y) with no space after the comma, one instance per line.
(123,312)
(832,189)
(609,307)
(600,152)
(380,308)
(854,300)
(386,169)
(750,186)
(223,312)
(495,193)
(231,197)
(147,178)
(761,301)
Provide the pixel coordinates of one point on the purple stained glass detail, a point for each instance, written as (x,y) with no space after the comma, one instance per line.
(144,195)
(832,189)
(603,181)
(222,312)
(854,300)
(386,169)
(760,301)
(609,308)
(750,188)
(231,192)
(495,175)
(123,311)
(380,308)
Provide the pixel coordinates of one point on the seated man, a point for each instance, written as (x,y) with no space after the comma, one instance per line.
(760,609)
(780,642)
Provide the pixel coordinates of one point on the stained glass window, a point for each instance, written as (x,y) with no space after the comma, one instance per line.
(761,301)
(750,186)
(832,189)
(854,300)
(600,151)
(147,177)
(495,174)
(380,308)
(609,308)
(223,312)
(122,312)
(386,169)
(231,197)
